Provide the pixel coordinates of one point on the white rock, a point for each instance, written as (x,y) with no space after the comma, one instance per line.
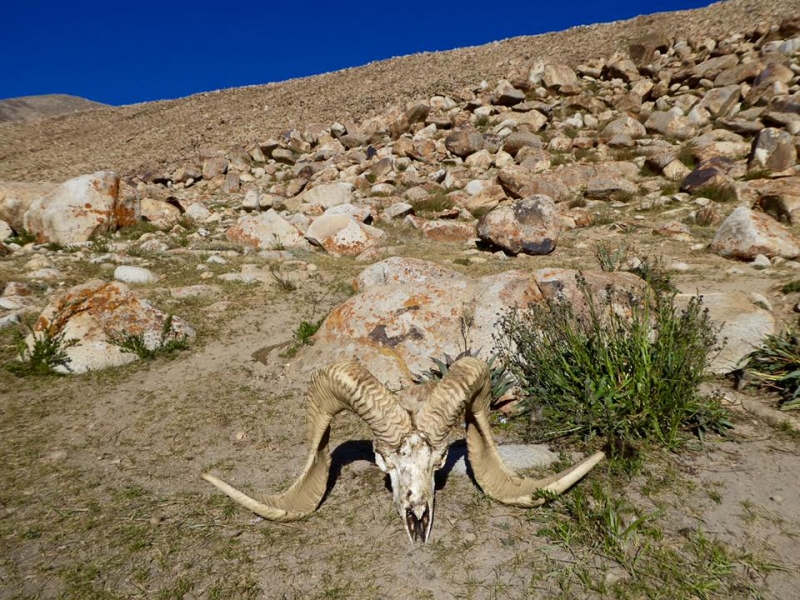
(131,274)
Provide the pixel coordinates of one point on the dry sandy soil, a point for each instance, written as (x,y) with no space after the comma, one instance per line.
(30,108)
(101,495)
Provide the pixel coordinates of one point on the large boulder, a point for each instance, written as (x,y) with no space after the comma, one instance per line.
(342,235)
(78,209)
(531,225)
(16,198)
(464,142)
(97,312)
(267,231)
(395,329)
(745,234)
(328,195)
(401,270)
(743,326)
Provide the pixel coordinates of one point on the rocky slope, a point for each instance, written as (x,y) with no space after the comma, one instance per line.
(127,138)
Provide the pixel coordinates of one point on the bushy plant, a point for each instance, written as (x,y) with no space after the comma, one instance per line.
(168,343)
(502,380)
(776,366)
(48,351)
(623,378)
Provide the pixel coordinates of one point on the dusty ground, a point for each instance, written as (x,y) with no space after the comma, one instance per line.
(143,136)
(102,496)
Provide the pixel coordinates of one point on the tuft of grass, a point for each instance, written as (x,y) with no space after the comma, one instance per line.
(602,374)
(434,203)
(670,189)
(776,367)
(717,192)
(49,351)
(303,336)
(757,174)
(685,154)
(649,268)
(135,231)
(168,343)
(612,258)
(22,237)
(791,287)
(284,283)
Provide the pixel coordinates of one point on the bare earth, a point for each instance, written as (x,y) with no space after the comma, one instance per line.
(101,495)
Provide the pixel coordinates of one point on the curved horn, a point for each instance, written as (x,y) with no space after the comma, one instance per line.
(341,386)
(468,383)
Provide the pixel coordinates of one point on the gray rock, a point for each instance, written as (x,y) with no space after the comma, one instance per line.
(744,326)
(464,142)
(624,125)
(746,233)
(531,225)
(773,149)
(517,457)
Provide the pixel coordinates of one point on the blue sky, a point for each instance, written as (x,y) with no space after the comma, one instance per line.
(140,50)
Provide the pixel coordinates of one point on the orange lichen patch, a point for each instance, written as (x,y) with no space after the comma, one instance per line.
(123,215)
(416,301)
(236,234)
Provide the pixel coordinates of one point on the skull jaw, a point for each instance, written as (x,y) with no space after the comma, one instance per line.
(411,470)
(418,523)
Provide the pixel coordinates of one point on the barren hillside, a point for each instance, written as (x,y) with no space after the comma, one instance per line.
(146,134)
(31,108)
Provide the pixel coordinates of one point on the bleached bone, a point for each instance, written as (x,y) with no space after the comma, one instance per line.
(410,444)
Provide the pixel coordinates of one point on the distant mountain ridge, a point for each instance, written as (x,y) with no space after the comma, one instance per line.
(32,108)
(133,138)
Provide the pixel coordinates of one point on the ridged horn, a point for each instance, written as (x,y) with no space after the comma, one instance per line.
(341,386)
(468,384)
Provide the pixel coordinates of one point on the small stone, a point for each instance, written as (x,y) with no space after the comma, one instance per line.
(761,262)
(131,274)
(760,301)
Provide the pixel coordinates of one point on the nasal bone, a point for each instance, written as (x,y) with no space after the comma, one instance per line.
(419,511)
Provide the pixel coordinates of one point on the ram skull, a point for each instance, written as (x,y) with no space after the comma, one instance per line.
(410,442)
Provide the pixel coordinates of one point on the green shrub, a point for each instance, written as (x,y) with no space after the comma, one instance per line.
(303,336)
(502,380)
(776,366)
(618,378)
(791,287)
(168,342)
(48,352)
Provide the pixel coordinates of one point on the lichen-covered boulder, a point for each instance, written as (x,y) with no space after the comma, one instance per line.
(97,312)
(78,209)
(427,311)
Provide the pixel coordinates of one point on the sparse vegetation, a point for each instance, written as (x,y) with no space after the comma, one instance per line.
(167,344)
(685,154)
(625,379)
(284,283)
(791,287)
(776,366)
(502,380)
(434,203)
(44,356)
(303,336)
(717,192)
(22,237)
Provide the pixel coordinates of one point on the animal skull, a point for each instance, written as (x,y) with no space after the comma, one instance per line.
(410,442)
